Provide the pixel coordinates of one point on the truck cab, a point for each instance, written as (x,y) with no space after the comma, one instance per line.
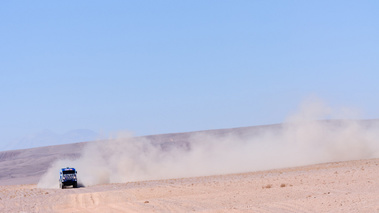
(67,177)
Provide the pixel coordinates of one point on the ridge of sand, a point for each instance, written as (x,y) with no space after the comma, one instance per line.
(350,186)
(26,166)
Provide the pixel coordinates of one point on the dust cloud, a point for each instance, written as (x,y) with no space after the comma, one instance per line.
(309,136)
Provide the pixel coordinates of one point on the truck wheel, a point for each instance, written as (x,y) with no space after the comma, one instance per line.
(75,185)
(60,185)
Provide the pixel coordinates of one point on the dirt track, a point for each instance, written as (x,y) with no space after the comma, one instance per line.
(335,187)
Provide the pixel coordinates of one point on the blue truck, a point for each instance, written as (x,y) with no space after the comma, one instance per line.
(68,177)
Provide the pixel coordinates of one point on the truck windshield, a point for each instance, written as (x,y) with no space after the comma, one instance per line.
(68,172)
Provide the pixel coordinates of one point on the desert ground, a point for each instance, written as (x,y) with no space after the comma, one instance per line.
(346,184)
(350,186)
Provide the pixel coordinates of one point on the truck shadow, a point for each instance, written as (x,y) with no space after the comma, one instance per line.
(80,185)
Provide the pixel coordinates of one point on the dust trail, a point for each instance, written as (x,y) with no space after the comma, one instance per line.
(304,138)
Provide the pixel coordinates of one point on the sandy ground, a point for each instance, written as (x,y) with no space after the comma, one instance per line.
(351,186)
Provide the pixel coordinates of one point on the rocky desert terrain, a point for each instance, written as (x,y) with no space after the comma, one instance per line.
(350,186)
(327,167)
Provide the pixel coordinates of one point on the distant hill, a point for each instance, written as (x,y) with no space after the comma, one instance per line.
(26,166)
(49,138)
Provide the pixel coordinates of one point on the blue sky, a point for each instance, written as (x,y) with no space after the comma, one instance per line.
(155,67)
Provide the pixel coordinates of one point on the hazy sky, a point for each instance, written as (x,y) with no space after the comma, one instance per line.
(171,66)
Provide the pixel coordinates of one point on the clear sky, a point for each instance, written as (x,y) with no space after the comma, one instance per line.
(155,67)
